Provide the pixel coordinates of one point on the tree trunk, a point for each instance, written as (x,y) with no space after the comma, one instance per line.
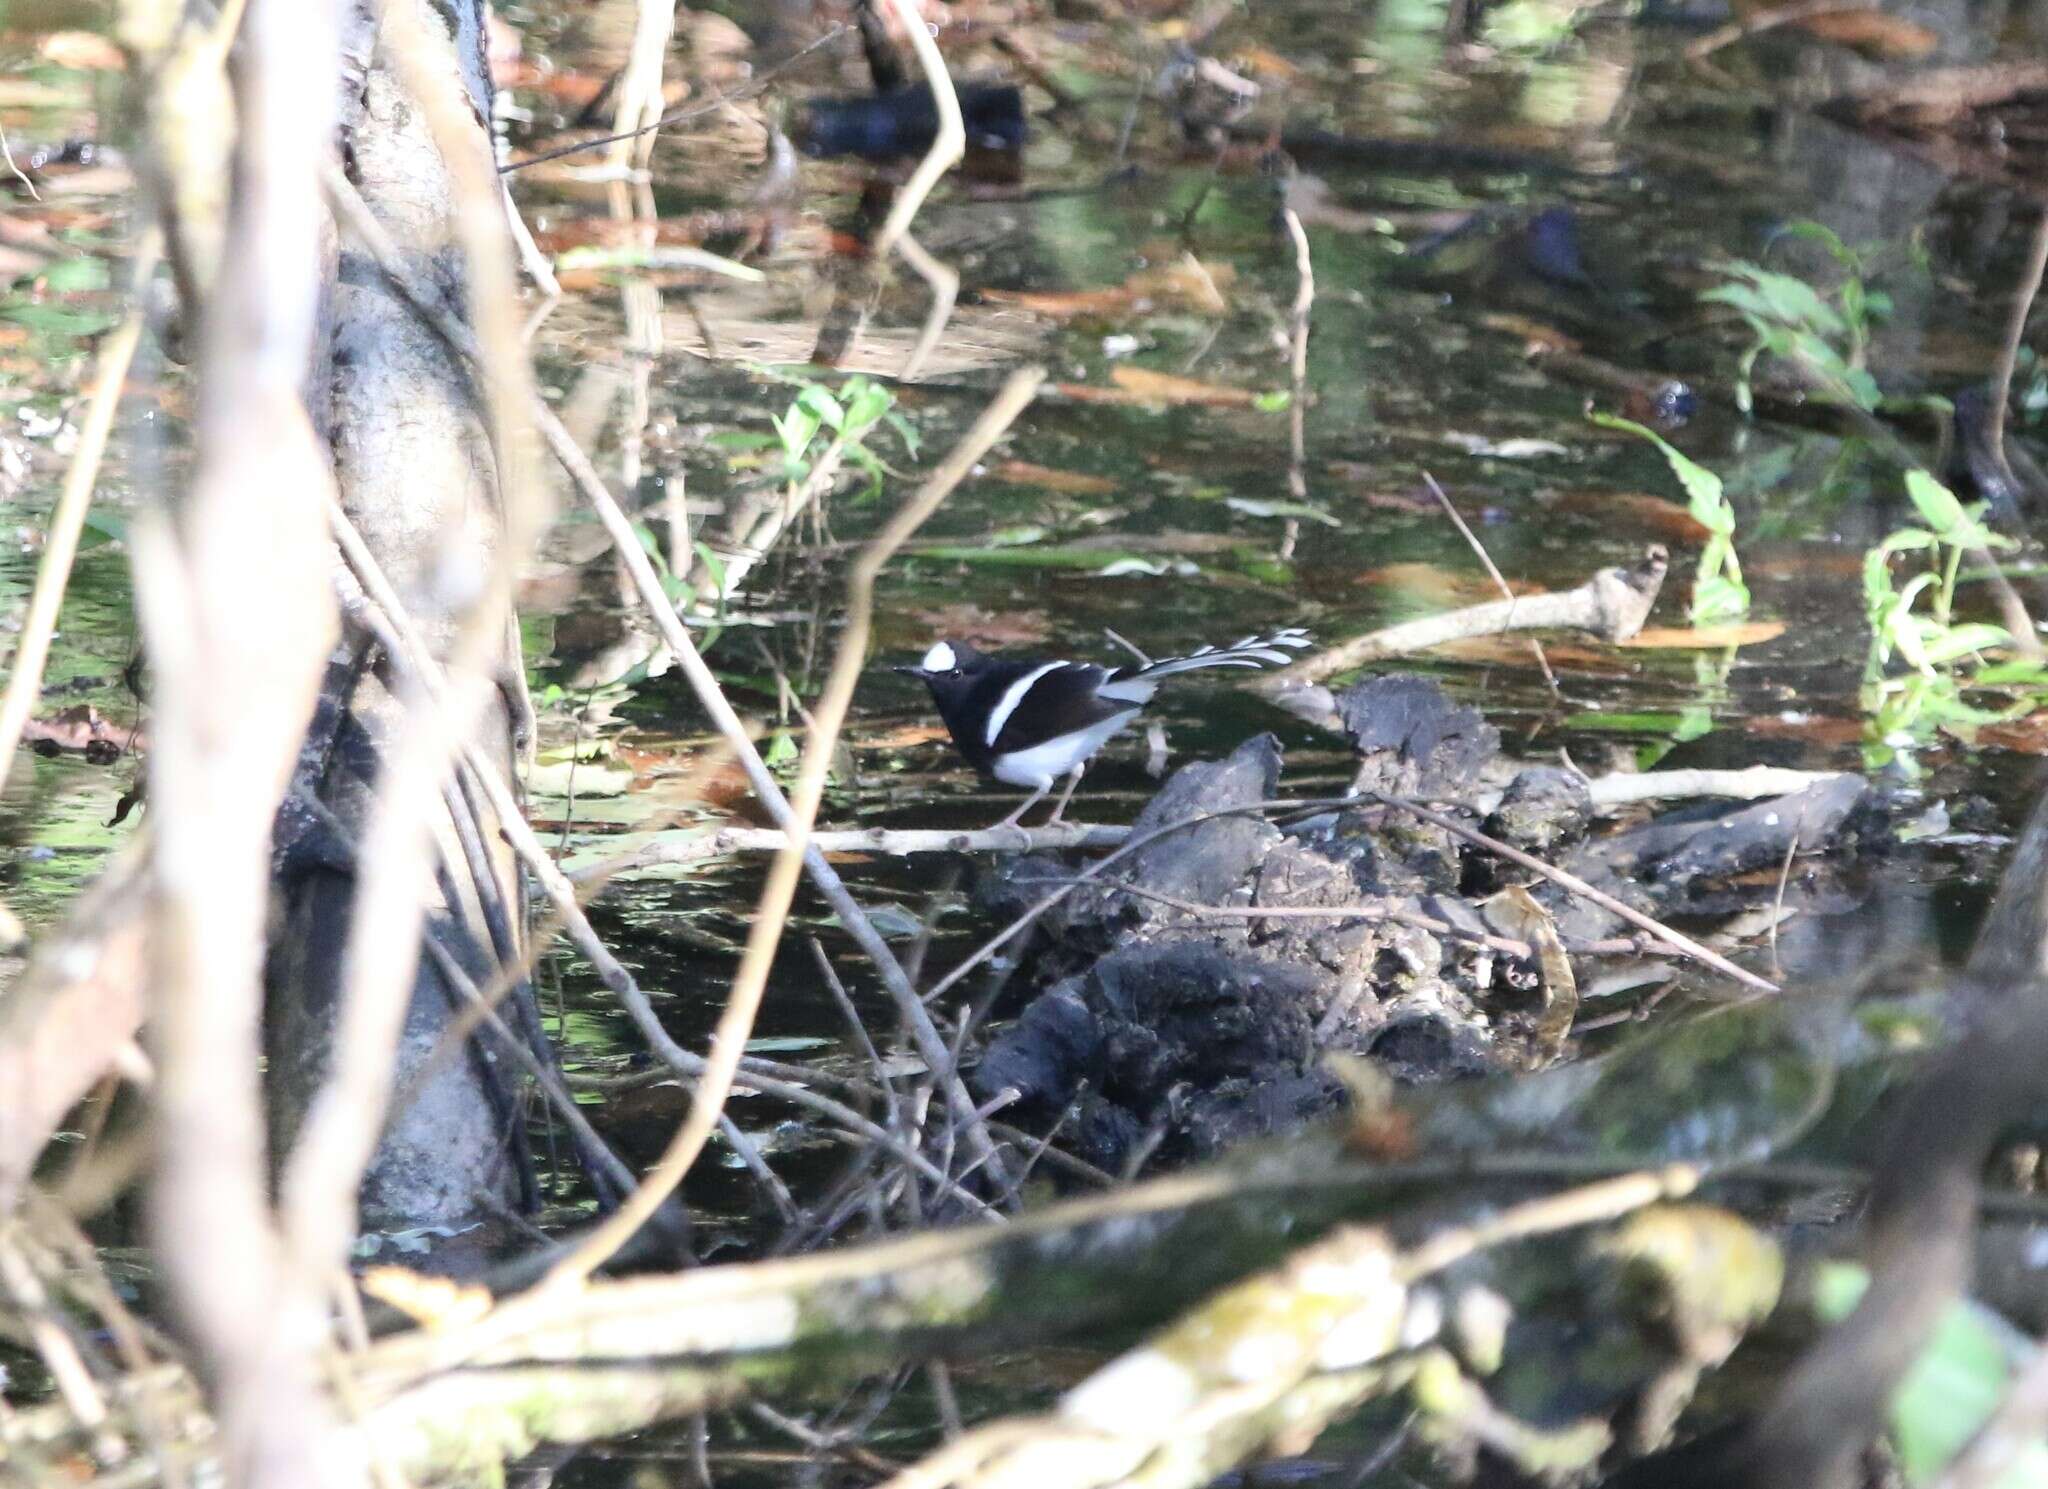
(416,471)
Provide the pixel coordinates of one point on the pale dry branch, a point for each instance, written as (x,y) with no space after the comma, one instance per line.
(2015,335)
(949,144)
(239,619)
(1612,605)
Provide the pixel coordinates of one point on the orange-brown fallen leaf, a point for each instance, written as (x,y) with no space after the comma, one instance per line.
(83,50)
(2027,736)
(1650,514)
(1141,385)
(1813,728)
(436,1304)
(1185,284)
(1071,482)
(1706,638)
(1871,32)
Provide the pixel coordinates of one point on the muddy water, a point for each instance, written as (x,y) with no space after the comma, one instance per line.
(1616,177)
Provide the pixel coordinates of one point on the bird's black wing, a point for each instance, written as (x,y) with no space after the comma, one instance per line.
(1055,700)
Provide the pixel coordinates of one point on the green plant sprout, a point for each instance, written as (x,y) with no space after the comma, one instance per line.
(1718,593)
(1913,622)
(1826,337)
(846,416)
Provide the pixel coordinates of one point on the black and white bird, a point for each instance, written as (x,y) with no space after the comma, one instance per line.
(1027,721)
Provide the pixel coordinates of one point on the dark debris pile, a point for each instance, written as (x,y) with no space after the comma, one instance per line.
(1166,1016)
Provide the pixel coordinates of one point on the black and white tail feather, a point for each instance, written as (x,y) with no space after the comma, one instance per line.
(1029,722)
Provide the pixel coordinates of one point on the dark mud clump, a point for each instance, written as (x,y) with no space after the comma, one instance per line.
(1172,1017)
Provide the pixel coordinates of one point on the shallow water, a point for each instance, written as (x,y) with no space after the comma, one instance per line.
(1426,290)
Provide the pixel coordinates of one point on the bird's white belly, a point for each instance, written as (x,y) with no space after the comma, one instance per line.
(1041,765)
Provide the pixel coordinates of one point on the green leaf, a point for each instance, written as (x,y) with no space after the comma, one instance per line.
(1954,1385)
(1946,645)
(741,439)
(826,409)
(1936,504)
(75,275)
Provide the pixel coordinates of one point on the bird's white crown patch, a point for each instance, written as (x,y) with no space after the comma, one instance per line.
(939,659)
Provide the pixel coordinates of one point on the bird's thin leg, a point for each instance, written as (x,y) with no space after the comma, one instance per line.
(1059,811)
(1029,802)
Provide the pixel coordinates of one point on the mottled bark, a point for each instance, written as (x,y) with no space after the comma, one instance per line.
(415,470)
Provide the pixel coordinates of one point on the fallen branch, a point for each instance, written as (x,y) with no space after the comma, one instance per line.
(1612,605)
(1752,783)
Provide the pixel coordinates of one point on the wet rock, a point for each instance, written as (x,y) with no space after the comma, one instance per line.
(1428,1046)
(1682,851)
(1411,738)
(1544,810)
(1204,863)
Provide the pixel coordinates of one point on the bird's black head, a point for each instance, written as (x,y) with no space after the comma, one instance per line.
(948,669)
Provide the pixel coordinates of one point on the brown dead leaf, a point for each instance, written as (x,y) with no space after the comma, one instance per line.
(1706,638)
(1185,284)
(1525,329)
(82,50)
(1820,729)
(902,737)
(1069,482)
(1871,32)
(1653,515)
(2027,736)
(1141,385)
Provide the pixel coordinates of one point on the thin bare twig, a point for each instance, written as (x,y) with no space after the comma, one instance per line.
(679,116)
(1297,374)
(764,936)
(238,616)
(1493,572)
(2009,349)
(1767,20)
(949,144)
(1572,882)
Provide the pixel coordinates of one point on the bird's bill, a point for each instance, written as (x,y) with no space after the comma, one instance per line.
(914,671)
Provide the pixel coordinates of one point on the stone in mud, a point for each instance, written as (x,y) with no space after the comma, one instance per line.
(1205,862)
(1543,810)
(1412,738)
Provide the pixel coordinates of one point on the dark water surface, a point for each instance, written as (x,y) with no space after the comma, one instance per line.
(1429,278)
